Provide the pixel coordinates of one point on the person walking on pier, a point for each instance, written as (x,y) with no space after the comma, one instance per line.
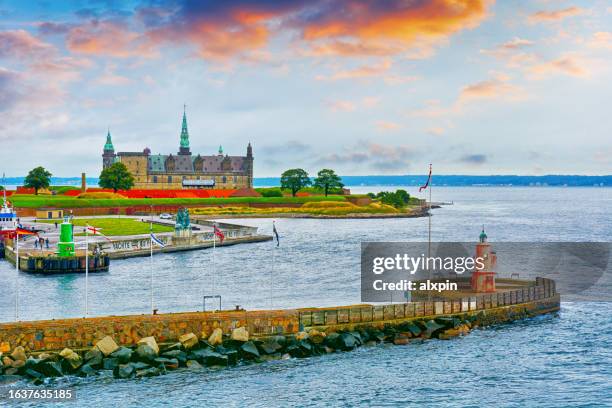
(47,242)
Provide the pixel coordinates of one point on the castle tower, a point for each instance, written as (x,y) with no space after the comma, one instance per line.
(483,279)
(108,154)
(249,165)
(184,146)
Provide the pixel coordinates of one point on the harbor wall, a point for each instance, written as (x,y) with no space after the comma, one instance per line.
(538,298)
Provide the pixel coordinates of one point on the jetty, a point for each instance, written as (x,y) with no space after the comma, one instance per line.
(150,345)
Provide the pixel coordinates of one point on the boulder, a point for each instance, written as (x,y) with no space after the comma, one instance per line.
(414,329)
(376,335)
(72,360)
(209,358)
(10,372)
(271,357)
(167,363)
(150,341)
(93,358)
(433,328)
(7,361)
(145,353)
(332,340)
(249,351)
(19,354)
(124,371)
(123,355)
(193,364)
(148,372)
(139,365)
(107,346)
(216,337)
(269,347)
(110,363)
(179,355)
(34,374)
(401,339)
(188,340)
(316,336)
(174,346)
(50,369)
(240,334)
(301,336)
(18,364)
(232,355)
(347,341)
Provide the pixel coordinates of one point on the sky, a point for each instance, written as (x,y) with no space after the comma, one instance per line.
(362,87)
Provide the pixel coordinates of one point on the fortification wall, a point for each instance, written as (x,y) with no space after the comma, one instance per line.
(83,333)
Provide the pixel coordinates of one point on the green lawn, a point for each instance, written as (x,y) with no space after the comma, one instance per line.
(59,201)
(117,226)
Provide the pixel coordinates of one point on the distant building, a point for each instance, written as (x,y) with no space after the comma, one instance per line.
(183,170)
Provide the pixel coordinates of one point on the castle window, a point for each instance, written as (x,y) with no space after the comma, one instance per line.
(169,179)
(155,179)
(224,179)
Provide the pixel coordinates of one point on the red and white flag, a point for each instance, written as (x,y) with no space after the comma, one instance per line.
(218,233)
(423,187)
(96,231)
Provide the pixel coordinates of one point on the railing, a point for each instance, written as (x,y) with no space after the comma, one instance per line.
(543,289)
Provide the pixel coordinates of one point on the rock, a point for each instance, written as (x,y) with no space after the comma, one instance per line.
(269,347)
(139,365)
(316,336)
(357,337)
(216,337)
(401,339)
(18,364)
(433,328)
(328,349)
(19,354)
(414,329)
(249,350)
(148,372)
(232,355)
(9,379)
(72,360)
(240,334)
(271,357)
(174,346)
(124,371)
(193,364)
(150,341)
(179,355)
(376,335)
(301,336)
(93,358)
(123,355)
(9,372)
(168,363)
(110,363)
(36,377)
(347,341)
(332,339)
(371,343)
(189,340)
(210,358)
(107,346)
(7,361)
(50,369)
(145,353)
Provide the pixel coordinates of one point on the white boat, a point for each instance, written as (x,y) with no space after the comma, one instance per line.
(8,217)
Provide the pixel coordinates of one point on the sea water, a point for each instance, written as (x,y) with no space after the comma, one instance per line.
(553,360)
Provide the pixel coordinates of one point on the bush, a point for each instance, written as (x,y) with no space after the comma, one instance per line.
(270,192)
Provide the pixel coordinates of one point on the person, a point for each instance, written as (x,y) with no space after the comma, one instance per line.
(55,224)
(47,242)
(36,243)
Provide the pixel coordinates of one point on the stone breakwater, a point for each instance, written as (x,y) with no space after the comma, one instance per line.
(141,346)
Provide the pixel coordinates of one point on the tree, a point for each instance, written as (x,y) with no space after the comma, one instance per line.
(327,179)
(294,180)
(37,178)
(117,177)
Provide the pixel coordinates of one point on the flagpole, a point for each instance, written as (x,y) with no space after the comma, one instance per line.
(213,260)
(151,268)
(86,270)
(17,275)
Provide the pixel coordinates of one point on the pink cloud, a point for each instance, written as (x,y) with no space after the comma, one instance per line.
(363,71)
(566,65)
(555,15)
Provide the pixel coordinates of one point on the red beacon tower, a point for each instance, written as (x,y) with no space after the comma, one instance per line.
(483,279)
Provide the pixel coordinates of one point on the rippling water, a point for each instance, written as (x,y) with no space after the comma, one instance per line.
(548,361)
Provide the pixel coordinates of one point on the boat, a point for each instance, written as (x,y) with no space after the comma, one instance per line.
(8,217)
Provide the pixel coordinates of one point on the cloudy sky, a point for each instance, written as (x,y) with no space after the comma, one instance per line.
(364,87)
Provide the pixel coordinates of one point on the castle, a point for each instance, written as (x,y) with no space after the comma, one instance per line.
(183,170)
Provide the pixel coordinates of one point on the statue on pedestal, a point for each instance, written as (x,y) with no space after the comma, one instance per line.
(182,227)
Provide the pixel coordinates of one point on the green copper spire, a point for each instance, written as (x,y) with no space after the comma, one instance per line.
(220,150)
(184,132)
(109,142)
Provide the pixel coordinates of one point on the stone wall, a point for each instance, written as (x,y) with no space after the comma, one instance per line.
(127,330)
